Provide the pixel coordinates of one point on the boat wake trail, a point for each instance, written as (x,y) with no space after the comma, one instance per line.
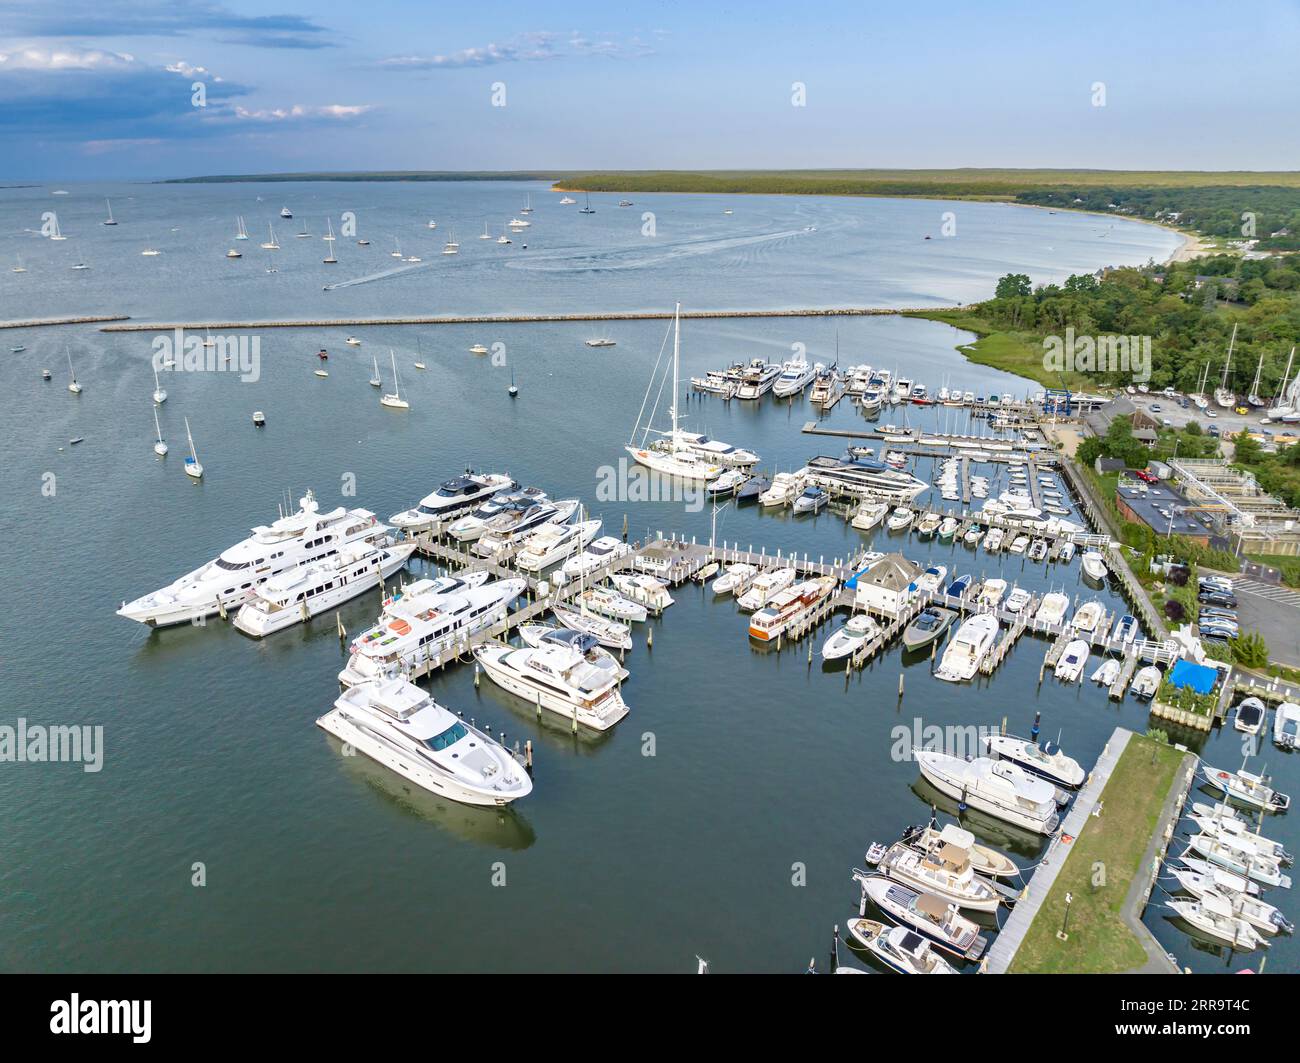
(381,275)
(641,258)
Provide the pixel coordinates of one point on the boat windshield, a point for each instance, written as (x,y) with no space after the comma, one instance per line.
(449,737)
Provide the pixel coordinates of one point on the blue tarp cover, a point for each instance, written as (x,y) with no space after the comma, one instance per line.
(1201,678)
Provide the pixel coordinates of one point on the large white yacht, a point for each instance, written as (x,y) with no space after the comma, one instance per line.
(396,723)
(559,678)
(968,648)
(998,787)
(796,374)
(452,497)
(469,527)
(309,590)
(412,637)
(232,578)
(864,477)
(756,379)
(553,543)
(505,532)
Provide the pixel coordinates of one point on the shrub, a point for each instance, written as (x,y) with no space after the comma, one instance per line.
(1250,650)
(1174,610)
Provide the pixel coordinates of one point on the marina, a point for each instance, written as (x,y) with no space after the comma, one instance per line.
(695,678)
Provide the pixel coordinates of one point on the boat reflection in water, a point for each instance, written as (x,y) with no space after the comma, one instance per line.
(495,828)
(995,832)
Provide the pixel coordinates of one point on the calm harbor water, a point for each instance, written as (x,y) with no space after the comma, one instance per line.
(618,861)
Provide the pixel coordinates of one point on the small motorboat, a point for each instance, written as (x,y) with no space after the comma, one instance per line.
(1286,725)
(352,341)
(1094,566)
(991,592)
(734,580)
(1107,673)
(869,514)
(1147,682)
(259,419)
(1087,617)
(847,640)
(1017,600)
(1246,787)
(1250,716)
(929,524)
(900,519)
(958,587)
(1070,666)
(729,481)
(1215,918)
(1259,914)
(1038,550)
(947,528)
(1126,629)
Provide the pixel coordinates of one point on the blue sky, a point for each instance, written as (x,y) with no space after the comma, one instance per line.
(102,88)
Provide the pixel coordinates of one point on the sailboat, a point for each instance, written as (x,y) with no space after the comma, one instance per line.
(303,234)
(397,249)
(109,220)
(1199,398)
(192,467)
(271,244)
(18,266)
(159,394)
(486,235)
(73,386)
(240,232)
(513,390)
(676,460)
(419,354)
(375,381)
(1252,396)
(587,209)
(395,400)
(58,233)
(451,247)
(160,447)
(527,208)
(1222,395)
(1285,400)
(330,257)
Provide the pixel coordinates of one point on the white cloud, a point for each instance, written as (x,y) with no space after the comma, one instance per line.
(298,112)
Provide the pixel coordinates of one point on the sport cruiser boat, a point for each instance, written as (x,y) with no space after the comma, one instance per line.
(1046,760)
(968,648)
(1246,788)
(929,626)
(309,590)
(585,643)
(1051,610)
(785,487)
(945,872)
(553,543)
(233,577)
(422,629)
(559,678)
(735,580)
(847,640)
(997,787)
(1250,716)
(869,514)
(900,519)
(397,724)
(609,633)
(1286,725)
(930,581)
(452,498)
(605,602)
(1073,659)
(1094,565)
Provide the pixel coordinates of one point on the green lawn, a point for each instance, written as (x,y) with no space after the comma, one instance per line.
(1109,851)
(1014,352)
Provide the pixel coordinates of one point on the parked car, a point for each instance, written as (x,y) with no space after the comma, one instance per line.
(1217,598)
(1146,477)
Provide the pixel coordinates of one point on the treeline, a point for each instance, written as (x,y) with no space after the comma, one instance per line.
(1189,320)
(1249,212)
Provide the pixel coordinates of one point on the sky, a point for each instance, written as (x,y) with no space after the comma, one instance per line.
(106,89)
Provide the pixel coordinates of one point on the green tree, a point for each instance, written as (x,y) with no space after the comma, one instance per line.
(1250,650)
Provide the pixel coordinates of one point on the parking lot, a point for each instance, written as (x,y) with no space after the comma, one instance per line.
(1228,422)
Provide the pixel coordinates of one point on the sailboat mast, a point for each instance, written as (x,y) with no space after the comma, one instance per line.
(1228,363)
(677,337)
(1282,389)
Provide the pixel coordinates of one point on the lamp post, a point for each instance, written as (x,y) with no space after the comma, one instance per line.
(1063,934)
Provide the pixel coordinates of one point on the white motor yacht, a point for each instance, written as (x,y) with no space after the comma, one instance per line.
(968,648)
(509,529)
(764,586)
(1051,610)
(599,552)
(397,724)
(786,608)
(644,589)
(452,497)
(1247,788)
(996,787)
(945,872)
(899,948)
(735,580)
(1087,617)
(1047,760)
(869,514)
(553,543)
(1147,682)
(609,633)
(412,637)
(609,603)
(1094,565)
(232,578)
(558,678)
(796,374)
(785,488)
(309,590)
(1214,917)
(1286,725)
(468,528)
(900,519)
